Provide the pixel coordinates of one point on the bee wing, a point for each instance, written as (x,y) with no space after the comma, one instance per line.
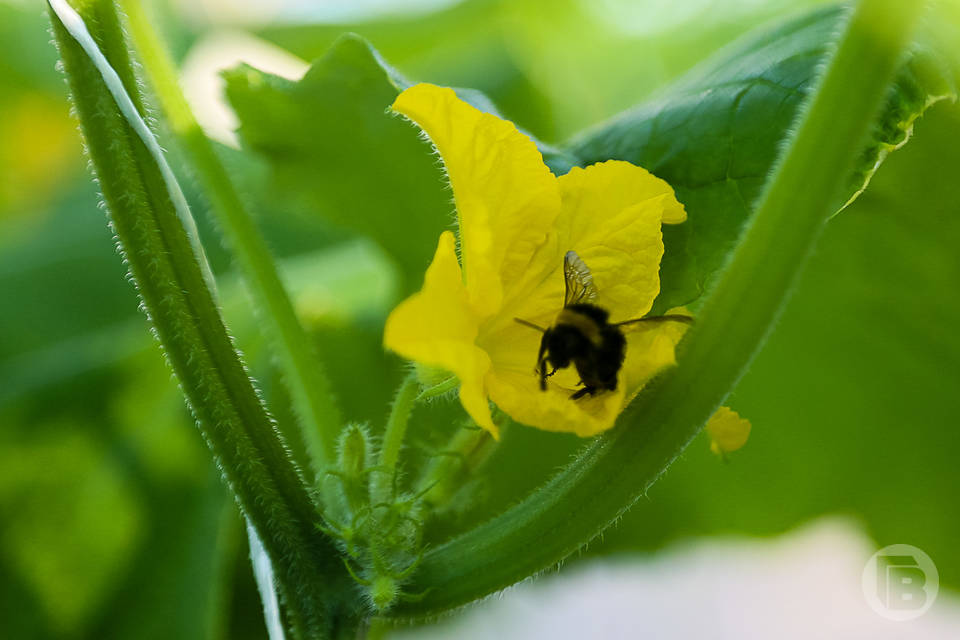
(578,280)
(631,325)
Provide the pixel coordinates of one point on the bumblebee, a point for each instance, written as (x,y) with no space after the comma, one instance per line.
(583,335)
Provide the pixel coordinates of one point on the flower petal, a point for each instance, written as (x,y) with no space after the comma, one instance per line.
(519,395)
(611,216)
(438,327)
(650,349)
(507,199)
(727,430)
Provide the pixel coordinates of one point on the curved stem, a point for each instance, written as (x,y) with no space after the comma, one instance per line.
(594,489)
(308,386)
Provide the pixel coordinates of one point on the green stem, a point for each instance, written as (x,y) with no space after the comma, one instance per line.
(594,490)
(156,235)
(396,429)
(309,387)
(439,389)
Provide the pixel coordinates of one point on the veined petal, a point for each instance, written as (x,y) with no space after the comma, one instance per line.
(507,200)
(621,185)
(650,349)
(437,327)
(611,216)
(515,388)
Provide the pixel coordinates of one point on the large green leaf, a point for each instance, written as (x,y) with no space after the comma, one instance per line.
(715,134)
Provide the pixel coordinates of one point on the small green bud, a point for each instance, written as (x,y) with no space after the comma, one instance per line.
(383,592)
(352,460)
(354,451)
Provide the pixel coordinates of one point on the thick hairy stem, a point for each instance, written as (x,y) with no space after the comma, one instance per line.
(154,231)
(309,388)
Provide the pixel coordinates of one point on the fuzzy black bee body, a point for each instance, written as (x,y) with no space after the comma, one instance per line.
(583,336)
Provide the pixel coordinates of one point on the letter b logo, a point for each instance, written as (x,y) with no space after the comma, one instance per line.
(900,582)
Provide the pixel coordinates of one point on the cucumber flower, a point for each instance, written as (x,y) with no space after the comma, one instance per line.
(516,223)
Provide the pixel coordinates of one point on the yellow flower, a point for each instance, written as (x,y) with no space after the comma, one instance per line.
(516,222)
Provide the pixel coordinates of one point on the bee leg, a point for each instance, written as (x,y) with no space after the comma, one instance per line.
(582,392)
(541,369)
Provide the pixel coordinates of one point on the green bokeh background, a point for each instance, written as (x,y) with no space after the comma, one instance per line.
(113,521)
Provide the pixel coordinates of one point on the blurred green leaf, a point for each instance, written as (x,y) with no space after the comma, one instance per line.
(466,44)
(715,134)
(448,37)
(28,59)
(38,507)
(136,443)
(595,59)
(175,585)
(20,611)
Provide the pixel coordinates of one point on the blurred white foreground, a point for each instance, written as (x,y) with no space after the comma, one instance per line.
(803,585)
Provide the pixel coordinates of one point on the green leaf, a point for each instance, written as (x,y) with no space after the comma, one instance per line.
(336,152)
(39,506)
(464,44)
(714,136)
